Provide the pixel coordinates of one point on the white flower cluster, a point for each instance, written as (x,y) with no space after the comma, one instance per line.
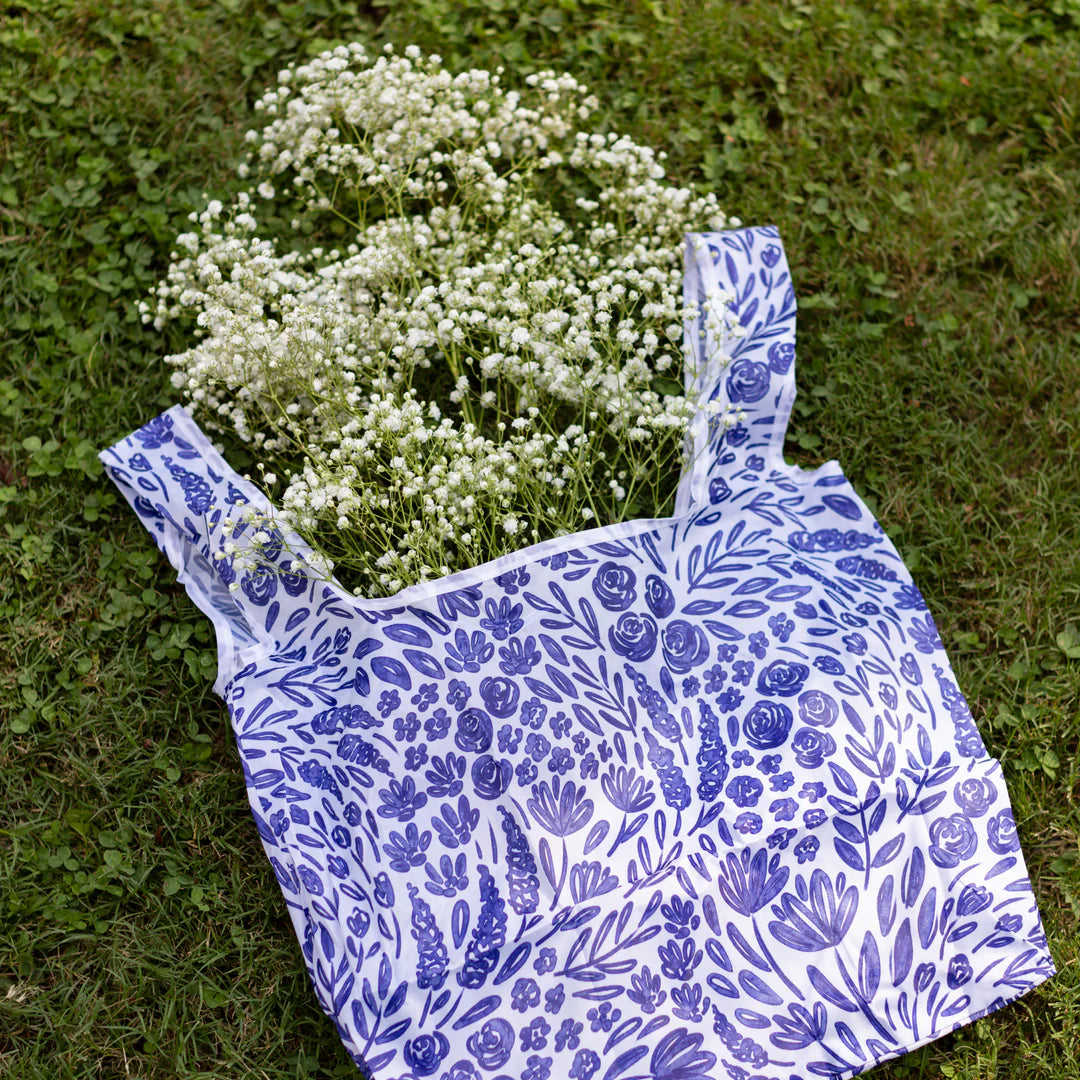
(491,350)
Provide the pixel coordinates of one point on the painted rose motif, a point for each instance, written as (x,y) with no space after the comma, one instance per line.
(500,695)
(818,709)
(767,724)
(492,1044)
(1001,832)
(780,357)
(782,678)
(685,646)
(952,839)
(613,586)
(474,730)
(975,795)
(659,597)
(748,381)
(812,747)
(634,636)
(425,1053)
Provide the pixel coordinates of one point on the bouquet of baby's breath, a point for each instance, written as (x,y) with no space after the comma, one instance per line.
(464,332)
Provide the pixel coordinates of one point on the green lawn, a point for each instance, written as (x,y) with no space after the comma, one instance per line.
(922,162)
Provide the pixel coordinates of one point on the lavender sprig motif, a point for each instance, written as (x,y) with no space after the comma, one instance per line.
(432,958)
(489,935)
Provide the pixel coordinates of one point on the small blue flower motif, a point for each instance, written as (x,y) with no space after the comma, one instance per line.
(729,700)
(407,727)
(744,790)
(748,823)
(560,725)
(855,644)
(604,751)
(534,1036)
(437,725)
(909,597)
(581,742)
(973,899)
(770,256)
(558,561)
(769,764)
(758,644)
(525,773)
(586,1063)
(536,746)
(603,1016)
(589,767)
(736,435)
(500,621)
(813,818)
(310,880)
(781,626)
(553,999)
(952,839)
(755,463)
(924,635)
(408,849)
(829,665)
(715,678)
(806,849)
(519,657)
(416,756)
(511,581)
(975,795)
(780,356)
(560,760)
(909,669)
(780,838)
(719,490)
(645,991)
(783,809)
(533,714)
(545,961)
(401,800)
(568,1035)
(1001,833)
(509,737)
(614,586)
(468,653)
(525,995)
(959,971)
(458,694)
(279,823)
(743,671)
(426,694)
(812,790)
(690,686)
(782,781)
(741,758)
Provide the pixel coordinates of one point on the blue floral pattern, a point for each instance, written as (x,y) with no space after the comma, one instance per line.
(679,799)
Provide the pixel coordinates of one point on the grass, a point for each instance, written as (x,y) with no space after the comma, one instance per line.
(921,160)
